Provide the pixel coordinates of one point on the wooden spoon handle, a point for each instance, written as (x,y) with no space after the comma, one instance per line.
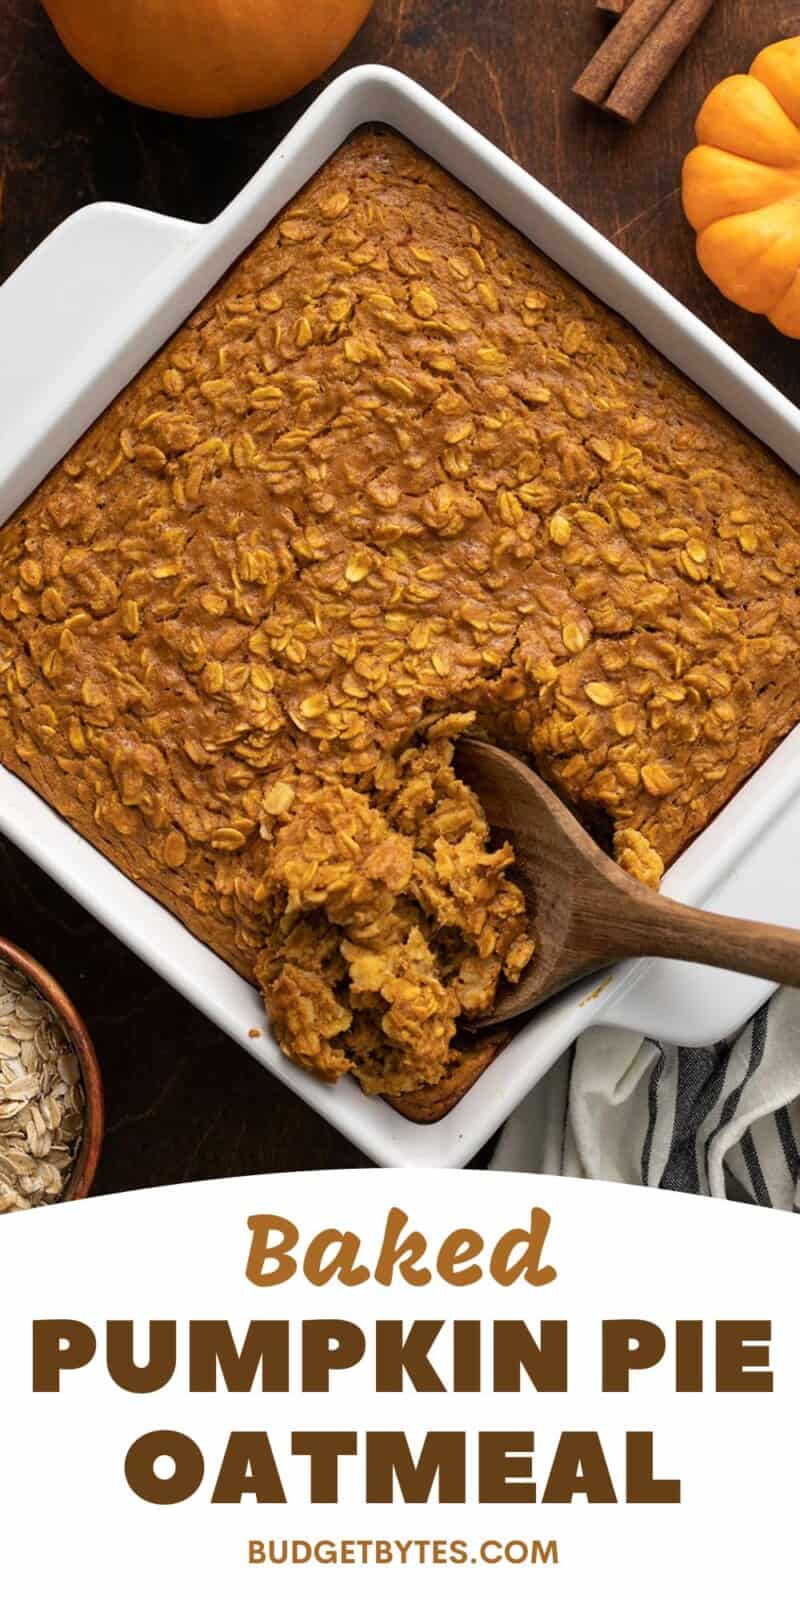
(660,927)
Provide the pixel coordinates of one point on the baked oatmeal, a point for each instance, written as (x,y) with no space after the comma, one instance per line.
(398,477)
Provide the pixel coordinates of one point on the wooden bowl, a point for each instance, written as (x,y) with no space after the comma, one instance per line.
(83,1172)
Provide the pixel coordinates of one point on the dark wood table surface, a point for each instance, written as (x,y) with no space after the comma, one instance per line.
(184,1102)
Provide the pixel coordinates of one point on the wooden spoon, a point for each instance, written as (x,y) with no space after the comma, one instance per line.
(585,912)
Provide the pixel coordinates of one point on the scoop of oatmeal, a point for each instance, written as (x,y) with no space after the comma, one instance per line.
(388,922)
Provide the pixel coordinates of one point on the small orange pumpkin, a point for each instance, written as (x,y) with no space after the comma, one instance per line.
(206,58)
(741,187)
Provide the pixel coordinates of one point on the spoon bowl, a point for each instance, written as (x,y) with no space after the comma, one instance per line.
(585,912)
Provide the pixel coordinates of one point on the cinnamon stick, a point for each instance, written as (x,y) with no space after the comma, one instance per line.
(614,8)
(655,59)
(637,22)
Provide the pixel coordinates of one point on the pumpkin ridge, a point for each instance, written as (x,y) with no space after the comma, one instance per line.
(730,253)
(743,117)
(717,184)
(778,67)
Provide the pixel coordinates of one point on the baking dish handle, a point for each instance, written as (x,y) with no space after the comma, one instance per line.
(77,281)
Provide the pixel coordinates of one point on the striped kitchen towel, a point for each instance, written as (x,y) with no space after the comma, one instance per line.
(721,1121)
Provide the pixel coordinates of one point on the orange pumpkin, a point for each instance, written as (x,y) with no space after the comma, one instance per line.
(741,187)
(206,58)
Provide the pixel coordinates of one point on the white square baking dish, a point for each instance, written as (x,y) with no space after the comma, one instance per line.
(78,320)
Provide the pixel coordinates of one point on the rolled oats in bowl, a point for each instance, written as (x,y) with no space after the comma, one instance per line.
(42,1106)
